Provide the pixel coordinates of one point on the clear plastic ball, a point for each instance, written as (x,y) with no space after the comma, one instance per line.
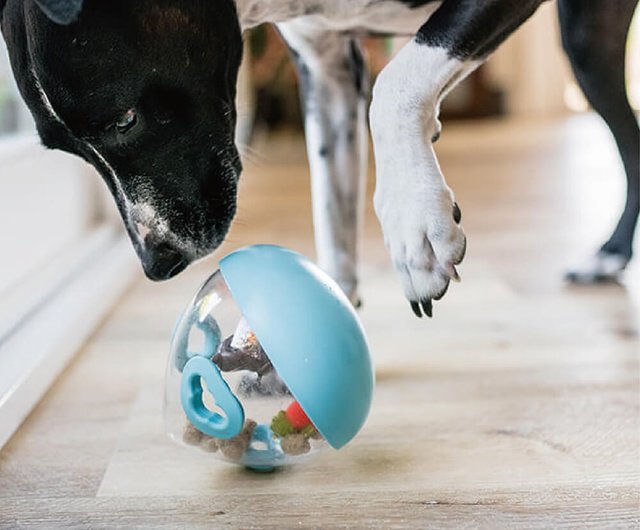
(263,426)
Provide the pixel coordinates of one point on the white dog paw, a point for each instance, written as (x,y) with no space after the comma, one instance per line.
(426,242)
(601,268)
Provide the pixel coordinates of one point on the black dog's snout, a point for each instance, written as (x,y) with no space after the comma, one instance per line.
(163,262)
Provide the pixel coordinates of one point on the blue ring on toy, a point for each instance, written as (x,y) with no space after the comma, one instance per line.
(212,338)
(206,421)
(263,459)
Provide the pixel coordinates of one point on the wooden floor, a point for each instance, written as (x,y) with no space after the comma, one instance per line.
(518,405)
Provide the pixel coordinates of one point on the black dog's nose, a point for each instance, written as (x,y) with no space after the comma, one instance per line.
(163,262)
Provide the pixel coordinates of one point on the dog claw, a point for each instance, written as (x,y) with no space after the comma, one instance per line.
(452,272)
(443,292)
(427,307)
(457,214)
(415,306)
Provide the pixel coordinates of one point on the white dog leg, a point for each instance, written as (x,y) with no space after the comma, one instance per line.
(416,208)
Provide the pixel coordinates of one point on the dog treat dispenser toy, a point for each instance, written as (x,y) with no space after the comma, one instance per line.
(269,363)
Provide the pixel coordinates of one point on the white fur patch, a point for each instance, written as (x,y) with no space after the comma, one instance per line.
(146,219)
(112,174)
(385,16)
(44,98)
(412,200)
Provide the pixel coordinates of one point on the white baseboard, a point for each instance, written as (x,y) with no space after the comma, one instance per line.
(51,316)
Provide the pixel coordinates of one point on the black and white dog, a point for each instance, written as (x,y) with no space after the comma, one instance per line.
(144,91)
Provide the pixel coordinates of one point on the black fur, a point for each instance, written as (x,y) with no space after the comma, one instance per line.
(415,3)
(357,67)
(176,63)
(594,34)
(469,29)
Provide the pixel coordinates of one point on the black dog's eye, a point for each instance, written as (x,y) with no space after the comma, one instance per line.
(127,121)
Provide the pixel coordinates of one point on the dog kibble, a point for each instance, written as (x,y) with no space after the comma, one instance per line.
(295,444)
(191,435)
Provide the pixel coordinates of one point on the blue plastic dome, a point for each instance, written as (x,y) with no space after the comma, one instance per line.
(310,332)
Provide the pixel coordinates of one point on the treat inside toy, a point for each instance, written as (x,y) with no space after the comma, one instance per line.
(224,396)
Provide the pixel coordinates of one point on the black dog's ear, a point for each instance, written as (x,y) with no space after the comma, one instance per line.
(60,11)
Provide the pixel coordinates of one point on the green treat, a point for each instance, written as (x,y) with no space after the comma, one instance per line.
(309,431)
(280,425)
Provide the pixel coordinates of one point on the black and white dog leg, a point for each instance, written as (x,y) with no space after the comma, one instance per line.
(416,208)
(335,92)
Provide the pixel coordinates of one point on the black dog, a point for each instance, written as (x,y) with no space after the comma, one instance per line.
(144,90)
(145,94)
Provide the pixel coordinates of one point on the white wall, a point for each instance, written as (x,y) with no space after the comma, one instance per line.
(47,202)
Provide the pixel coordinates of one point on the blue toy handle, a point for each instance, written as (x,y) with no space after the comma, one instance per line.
(263,459)
(209,328)
(210,423)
